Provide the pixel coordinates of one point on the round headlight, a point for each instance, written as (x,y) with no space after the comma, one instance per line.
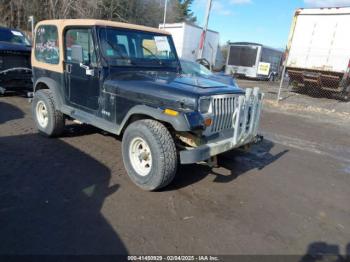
(205,105)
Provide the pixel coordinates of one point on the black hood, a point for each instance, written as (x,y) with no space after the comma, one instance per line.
(174,82)
(166,87)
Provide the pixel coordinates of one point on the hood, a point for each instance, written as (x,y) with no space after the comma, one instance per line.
(222,78)
(5,46)
(166,87)
(174,82)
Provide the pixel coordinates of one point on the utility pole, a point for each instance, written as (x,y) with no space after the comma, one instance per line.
(205,28)
(31,20)
(165,7)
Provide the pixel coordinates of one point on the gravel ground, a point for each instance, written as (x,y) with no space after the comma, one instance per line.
(71,195)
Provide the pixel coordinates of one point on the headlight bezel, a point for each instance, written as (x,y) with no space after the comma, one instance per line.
(205,105)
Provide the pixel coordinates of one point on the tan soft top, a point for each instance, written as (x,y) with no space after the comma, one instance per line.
(61,23)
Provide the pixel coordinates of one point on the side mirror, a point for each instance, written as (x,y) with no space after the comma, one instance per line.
(77,53)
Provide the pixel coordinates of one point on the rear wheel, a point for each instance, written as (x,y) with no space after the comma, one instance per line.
(346,94)
(272,78)
(48,119)
(149,154)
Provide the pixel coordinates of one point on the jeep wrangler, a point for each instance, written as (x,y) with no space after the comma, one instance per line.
(126,79)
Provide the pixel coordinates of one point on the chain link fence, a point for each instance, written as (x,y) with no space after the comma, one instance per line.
(314,83)
(306,91)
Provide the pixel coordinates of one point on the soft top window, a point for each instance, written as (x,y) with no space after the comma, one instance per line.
(46,44)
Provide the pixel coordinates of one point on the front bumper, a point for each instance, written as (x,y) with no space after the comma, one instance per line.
(246,118)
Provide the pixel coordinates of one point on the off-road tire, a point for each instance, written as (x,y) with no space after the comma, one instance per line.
(163,151)
(346,94)
(271,78)
(56,119)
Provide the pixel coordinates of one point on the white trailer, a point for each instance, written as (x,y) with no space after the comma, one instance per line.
(318,50)
(253,60)
(187,38)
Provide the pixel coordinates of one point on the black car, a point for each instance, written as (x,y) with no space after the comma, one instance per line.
(15,66)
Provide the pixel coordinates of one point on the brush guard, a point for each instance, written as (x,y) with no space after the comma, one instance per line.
(243,129)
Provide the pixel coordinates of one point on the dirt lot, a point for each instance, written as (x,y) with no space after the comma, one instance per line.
(71,195)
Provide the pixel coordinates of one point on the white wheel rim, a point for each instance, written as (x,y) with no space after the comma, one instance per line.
(42,114)
(140,156)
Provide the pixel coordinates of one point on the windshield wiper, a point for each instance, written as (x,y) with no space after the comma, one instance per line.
(153,55)
(120,53)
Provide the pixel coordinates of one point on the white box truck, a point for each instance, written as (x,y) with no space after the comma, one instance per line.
(187,38)
(318,50)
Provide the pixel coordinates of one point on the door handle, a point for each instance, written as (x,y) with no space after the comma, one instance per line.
(68,68)
(88,70)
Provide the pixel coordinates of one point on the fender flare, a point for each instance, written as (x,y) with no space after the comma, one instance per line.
(54,86)
(179,122)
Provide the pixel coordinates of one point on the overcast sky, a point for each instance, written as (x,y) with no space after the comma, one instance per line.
(263,21)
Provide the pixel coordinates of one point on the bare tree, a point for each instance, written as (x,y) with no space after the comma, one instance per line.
(14,13)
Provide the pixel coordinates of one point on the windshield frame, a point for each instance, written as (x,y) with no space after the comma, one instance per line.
(139,62)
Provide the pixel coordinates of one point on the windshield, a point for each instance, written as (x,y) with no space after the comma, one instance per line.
(127,48)
(242,55)
(13,37)
(193,68)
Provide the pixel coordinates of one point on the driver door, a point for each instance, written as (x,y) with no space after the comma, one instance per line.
(81,74)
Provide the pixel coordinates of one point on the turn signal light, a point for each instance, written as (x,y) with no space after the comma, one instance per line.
(208,122)
(170,112)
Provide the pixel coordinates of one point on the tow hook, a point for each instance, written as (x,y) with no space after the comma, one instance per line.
(257,139)
(2,90)
(30,96)
(212,162)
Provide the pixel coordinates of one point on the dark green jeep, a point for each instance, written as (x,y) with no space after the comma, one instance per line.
(126,79)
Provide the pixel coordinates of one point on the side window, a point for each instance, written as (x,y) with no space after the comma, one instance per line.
(83,38)
(46,44)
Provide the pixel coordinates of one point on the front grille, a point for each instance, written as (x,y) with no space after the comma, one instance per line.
(223,108)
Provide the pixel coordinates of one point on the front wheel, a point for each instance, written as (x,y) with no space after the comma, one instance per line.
(149,154)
